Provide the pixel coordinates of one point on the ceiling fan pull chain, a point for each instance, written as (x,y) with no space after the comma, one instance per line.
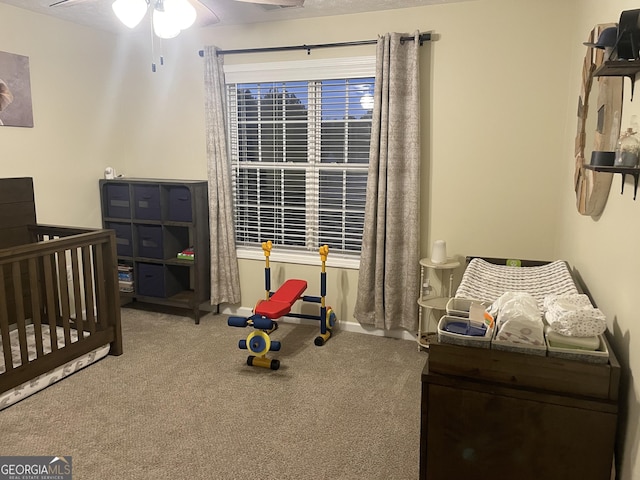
(153,54)
(161,56)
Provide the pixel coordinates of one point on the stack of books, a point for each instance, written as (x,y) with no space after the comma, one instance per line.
(125,278)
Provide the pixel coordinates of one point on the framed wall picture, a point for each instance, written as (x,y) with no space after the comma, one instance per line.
(15,91)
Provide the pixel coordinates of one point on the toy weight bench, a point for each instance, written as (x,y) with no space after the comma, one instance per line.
(278,304)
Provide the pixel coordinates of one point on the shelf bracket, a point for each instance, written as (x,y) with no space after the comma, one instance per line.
(635,182)
(623,171)
(632,77)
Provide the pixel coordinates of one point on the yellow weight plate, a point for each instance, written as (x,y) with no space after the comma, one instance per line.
(258,343)
(327,320)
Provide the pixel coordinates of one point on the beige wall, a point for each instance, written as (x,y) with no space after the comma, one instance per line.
(602,250)
(500,87)
(77,75)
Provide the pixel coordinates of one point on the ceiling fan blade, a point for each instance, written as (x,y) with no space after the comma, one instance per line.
(60,3)
(205,15)
(282,3)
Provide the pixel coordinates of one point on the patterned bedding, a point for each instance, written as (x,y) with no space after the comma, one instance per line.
(28,388)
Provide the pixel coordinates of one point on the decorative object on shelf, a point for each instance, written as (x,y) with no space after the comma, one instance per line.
(628,41)
(622,58)
(439,251)
(606,41)
(627,149)
(602,159)
(600,101)
(187,254)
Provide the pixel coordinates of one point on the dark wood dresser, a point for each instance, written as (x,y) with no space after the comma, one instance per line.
(490,414)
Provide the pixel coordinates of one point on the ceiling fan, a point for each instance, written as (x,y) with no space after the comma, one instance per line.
(170,17)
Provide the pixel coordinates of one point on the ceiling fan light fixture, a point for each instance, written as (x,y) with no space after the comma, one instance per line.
(164,25)
(130,12)
(182,12)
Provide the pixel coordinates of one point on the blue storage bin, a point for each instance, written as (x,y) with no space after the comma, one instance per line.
(147,202)
(150,280)
(180,209)
(149,241)
(124,238)
(118,201)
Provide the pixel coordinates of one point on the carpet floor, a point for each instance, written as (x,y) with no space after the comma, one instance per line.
(181,403)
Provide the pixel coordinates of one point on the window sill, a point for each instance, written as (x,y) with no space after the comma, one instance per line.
(333,260)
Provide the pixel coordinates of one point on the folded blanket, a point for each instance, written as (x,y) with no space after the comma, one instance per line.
(574,316)
(564,341)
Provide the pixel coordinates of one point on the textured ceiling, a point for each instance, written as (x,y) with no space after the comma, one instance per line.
(98,13)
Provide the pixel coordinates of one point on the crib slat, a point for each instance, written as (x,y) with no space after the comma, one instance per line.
(64,296)
(51,305)
(88,288)
(53,258)
(101,292)
(4,324)
(22,333)
(36,308)
(76,292)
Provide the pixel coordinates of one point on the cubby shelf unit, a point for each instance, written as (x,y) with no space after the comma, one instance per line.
(154,221)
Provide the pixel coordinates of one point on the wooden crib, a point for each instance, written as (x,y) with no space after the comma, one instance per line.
(59,296)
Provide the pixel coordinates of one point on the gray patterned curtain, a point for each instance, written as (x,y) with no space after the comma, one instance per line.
(388,284)
(225,277)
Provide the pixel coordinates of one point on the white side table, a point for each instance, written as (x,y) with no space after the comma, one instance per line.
(437,301)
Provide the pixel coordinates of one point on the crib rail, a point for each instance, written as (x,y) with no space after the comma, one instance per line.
(63,288)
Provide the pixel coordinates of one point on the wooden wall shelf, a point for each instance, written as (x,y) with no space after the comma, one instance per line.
(619,68)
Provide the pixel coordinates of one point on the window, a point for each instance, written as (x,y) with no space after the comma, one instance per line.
(300,151)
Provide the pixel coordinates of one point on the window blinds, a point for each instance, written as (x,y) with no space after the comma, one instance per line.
(299,153)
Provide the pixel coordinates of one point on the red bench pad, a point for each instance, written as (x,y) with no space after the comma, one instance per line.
(281,301)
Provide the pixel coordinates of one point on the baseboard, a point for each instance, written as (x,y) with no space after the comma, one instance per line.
(347,326)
